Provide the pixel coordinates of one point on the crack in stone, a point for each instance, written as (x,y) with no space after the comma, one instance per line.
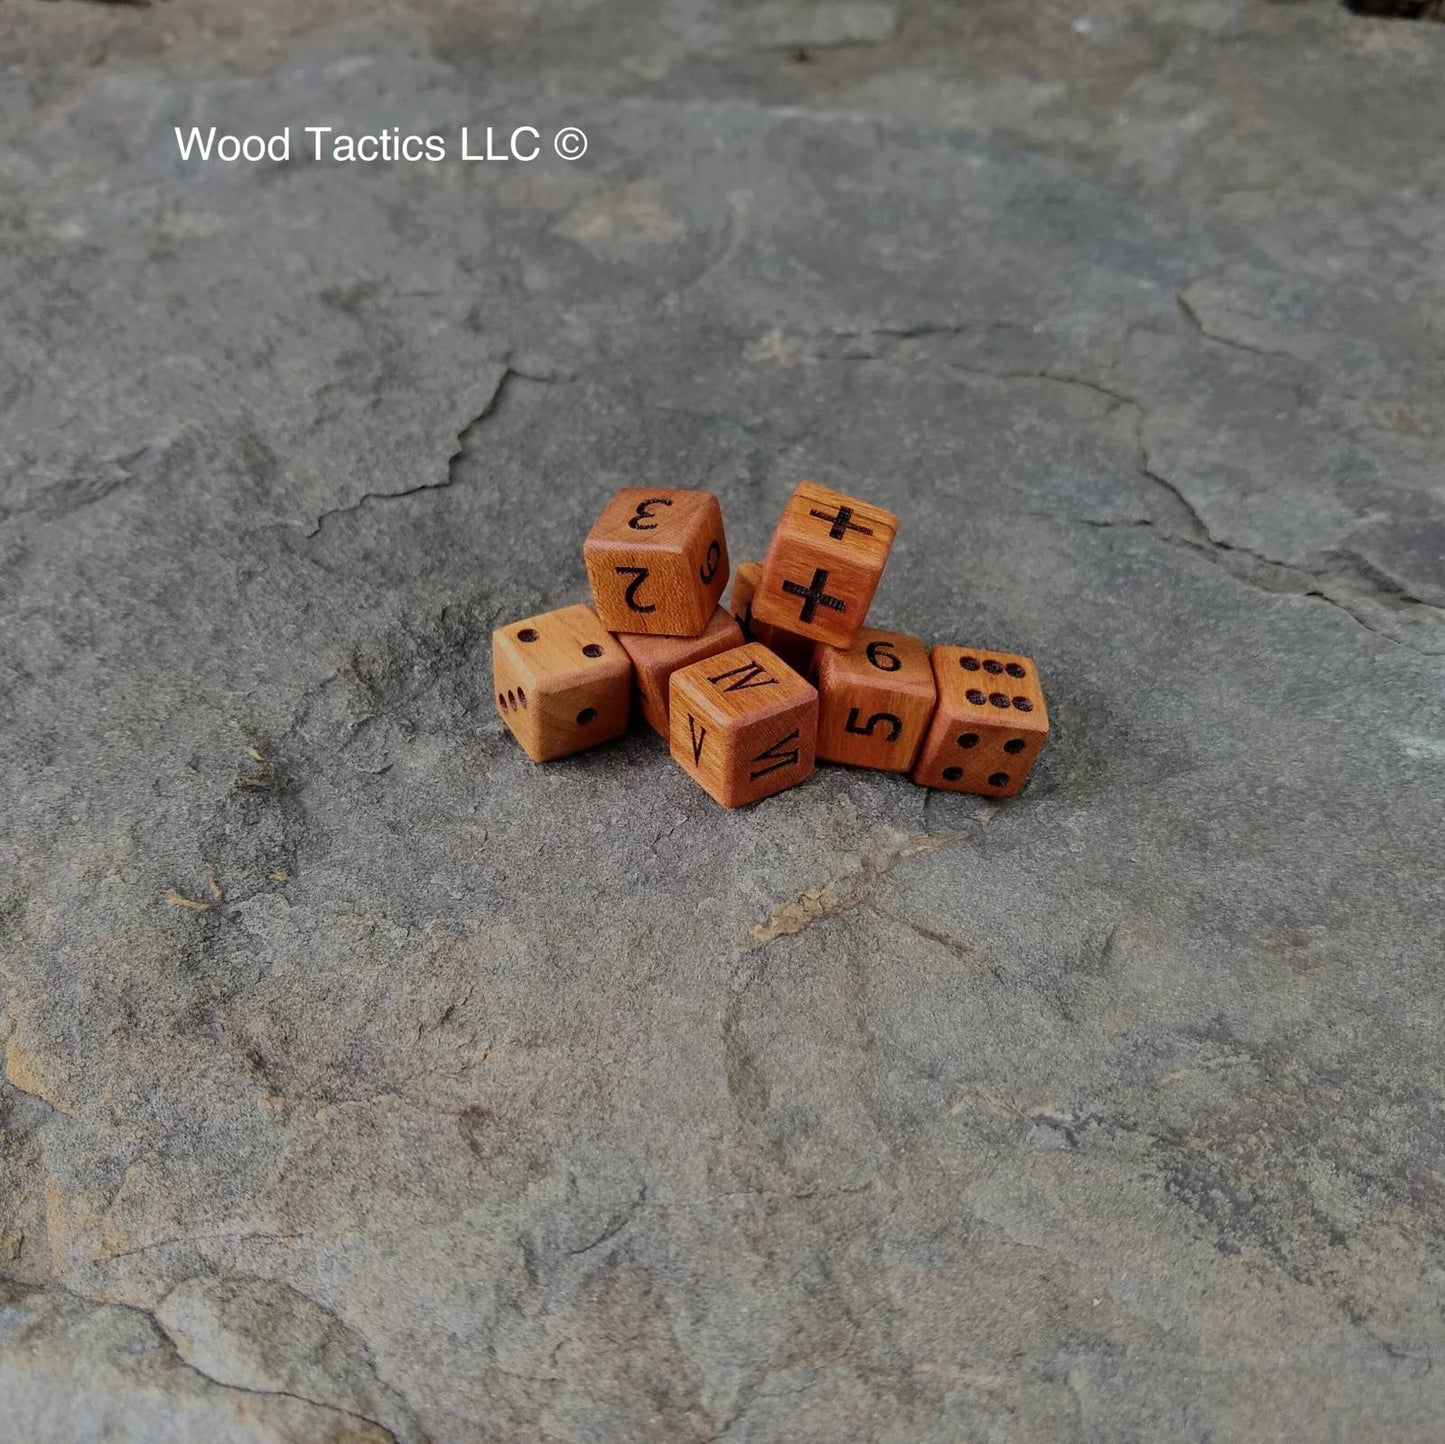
(1197,321)
(847,890)
(614,1226)
(362,1344)
(262,1393)
(168,1345)
(1058,378)
(463,441)
(957,946)
(1254,568)
(256,1236)
(1268,574)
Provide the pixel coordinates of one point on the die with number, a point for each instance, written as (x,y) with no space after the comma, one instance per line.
(743,724)
(563,683)
(796,651)
(657,561)
(823,565)
(990,723)
(875,700)
(655,659)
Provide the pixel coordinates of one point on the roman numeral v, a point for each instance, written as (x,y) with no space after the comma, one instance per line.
(698,735)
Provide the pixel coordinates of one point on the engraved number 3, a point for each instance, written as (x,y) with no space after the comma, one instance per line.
(644,520)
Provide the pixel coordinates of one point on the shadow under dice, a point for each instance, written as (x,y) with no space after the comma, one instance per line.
(990,724)
(875,701)
(743,724)
(563,683)
(823,565)
(657,561)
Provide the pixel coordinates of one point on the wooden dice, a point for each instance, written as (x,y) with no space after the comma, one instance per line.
(990,723)
(655,659)
(796,651)
(657,561)
(563,683)
(743,724)
(823,565)
(875,701)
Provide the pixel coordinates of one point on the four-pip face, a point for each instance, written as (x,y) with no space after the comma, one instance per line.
(657,560)
(823,565)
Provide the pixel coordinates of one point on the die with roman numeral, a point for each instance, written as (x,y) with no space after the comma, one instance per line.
(875,700)
(743,724)
(657,561)
(823,565)
(655,659)
(990,723)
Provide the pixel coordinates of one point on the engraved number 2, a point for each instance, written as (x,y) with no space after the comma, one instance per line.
(638,575)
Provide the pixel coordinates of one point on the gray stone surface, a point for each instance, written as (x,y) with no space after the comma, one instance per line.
(364,1081)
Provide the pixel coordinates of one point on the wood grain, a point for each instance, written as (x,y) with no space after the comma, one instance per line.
(823,565)
(743,724)
(875,700)
(797,652)
(657,560)
(562,682)
(990,723)
(655,659)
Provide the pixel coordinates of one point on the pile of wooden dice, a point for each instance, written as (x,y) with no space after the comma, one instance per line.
(748,697)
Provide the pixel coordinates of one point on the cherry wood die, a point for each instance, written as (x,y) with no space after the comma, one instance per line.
(743,724)
(655,659)
(797,652)
(990,725)
(563,683)
(875,701)
(823,565)
(657,561)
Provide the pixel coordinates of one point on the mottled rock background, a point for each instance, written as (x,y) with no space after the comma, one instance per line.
(364,1082)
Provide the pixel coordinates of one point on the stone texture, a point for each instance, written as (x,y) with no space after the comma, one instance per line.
(72,1369)
(533,1103)
(264,1337)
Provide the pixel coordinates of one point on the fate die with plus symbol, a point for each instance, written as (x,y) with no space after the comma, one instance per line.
(875,700)
(796,651)
(563,683)
(655,659)
(657,561)
(823,565)
(990,723)
(743,724)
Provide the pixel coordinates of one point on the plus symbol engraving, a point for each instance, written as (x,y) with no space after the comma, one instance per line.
(843,522)
(814,596)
